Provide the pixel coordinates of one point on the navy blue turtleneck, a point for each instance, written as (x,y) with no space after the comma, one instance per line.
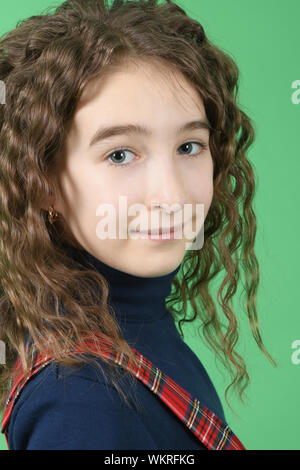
(63,408)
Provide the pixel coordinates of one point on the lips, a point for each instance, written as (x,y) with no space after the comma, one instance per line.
(160,231)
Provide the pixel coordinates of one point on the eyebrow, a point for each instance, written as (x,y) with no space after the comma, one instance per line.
(126,129)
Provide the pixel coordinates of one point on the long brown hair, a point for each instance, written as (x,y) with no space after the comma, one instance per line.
(45,63)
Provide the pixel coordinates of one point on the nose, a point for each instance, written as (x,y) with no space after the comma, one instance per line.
(165,187)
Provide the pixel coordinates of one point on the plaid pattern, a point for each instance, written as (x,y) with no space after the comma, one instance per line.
(201,421)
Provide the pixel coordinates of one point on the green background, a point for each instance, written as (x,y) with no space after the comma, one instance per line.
(262,37)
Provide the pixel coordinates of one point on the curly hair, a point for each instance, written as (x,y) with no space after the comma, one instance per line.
(46,62)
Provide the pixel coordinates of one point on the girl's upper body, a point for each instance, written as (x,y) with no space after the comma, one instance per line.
(128,109)
(63,409)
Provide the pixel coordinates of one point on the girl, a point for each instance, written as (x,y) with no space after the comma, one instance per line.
(129,100)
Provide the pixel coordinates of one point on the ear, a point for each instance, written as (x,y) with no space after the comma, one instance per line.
(52,200)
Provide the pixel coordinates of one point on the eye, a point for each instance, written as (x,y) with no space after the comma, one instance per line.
(188,145)
(118,156)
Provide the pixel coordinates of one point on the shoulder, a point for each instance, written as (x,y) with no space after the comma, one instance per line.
(65,408)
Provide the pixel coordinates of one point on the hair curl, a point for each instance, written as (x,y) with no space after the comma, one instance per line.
(46,63)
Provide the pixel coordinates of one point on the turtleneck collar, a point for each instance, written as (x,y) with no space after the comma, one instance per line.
(133,298)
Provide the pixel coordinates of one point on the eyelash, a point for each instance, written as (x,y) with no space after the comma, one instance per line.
(122,149)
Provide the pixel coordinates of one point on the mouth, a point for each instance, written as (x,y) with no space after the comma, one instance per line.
(159,231)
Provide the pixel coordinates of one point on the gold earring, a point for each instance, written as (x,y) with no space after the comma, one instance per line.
(52,215)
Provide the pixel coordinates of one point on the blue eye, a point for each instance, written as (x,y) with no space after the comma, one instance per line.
(120,154)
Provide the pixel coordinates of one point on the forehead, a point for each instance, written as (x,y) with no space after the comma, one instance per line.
(128,81)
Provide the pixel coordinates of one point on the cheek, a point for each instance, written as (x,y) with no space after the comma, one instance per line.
(90,187)
(98,187)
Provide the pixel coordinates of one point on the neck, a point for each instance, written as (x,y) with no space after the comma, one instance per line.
(133,298)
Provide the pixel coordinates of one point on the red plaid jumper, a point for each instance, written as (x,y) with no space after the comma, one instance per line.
(201,421)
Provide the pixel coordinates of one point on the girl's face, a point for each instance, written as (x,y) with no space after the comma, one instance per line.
(161,166)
